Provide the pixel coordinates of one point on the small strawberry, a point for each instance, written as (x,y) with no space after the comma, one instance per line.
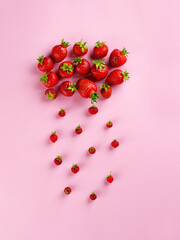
(49,79)
(117,77)
(51,94)
(75,168)
(109,124)
(99,70)
(110,178)
(78,130)
(106,90)
(118,58)
(80,49)
(53,137)
(67,190)
(67,88)
(66,69)
(82,66)
(93,196)
(92,150)
(58,160)
(45,64)
(115,143)
(100,49)
(59,52)
(93,110)
(62,112)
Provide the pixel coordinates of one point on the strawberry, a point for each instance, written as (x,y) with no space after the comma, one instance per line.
(118,58)
(51,94)
(117,77)
(53,137)
(67,190)
(100,49)
(66,69)
(58,160)
(109,124)
(92,150)
(87,88)
(62,112)
(80,49)
(49,79)
(75,168)
(78,130)
(82,66)
(93,110)
(110,178)
(115,143)
(67,88)
(93,196)
(59,52)
(106,90)
(45,64)
(99,70)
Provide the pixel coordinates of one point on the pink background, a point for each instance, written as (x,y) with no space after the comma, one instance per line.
(143,203)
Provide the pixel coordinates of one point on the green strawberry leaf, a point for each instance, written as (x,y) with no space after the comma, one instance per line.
(82,45)
(99,63)
(67,67)
(40,60)
(44,78)
(65,44)
(99,44)
(124,52)
(105,86)
(125,75)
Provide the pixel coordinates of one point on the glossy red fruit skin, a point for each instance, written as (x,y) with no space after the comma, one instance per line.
(115,77)
(75,170)
(52,91)
(58,53)
(83,68)
(115,144)
(99,74)
(63,89)
(53,138)
(106,94)
(92,151)
(93,110)
(57,162)
(101,52)
(67,190)
(62,113)
(65,74)
(78,131)
(47,65)
(93,196)
(110,179)
(86,87)
(78,51)
(52,80)
(116,58)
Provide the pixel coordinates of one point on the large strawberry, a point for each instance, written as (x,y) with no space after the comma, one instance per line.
(66,69)
(67,88)
(59,52)
(49,79)
(87,89)
(80,49)
(82,66)
(99,70)
(100,49)
(45,64)
(117,77)
(118,58)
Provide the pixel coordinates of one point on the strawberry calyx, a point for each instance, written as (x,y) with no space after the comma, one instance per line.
(44,78)
(105,86)
(82,45)
(72,87)
(40,60)
(91,149)
(74,166)
(53,133)
(94,97)
(124,52)
(62,110)
(50,95)
(109,123)
(78,127)
(115,140)
(67,67)
(109,175)
(99,63)
(93,193)
(77,60)
(125,75)
(64,44)
(67,190)
(59,158)
(99,44)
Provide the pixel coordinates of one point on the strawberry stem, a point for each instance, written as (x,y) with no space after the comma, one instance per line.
(40,60)
(72,87)
(50,95)
(99,63)
(74,166)
(53,133)
(67,67)
(59,158)
(99,44)
(94,97)
(77,60)
(105,86)
(64,44)
(44,78)
(82,45)
(125,75)
(78,127)
(124,52)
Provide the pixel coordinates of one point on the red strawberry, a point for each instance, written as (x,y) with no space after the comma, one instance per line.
(53,137)
(62,112)
(67,190)
(110,178)
(106,90)
(67,88)
(59,52)
(82,66)
(78,130)
(99,70)
(93,110)
(66,69)
(87,88)
(100,49)
(58,160)
(80,49)
(45,64)
(115,143)
(93,196)
(75,168)
(117,77)
(49,79)
(92,150)
(109,124)
(51,93)
(118,58)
